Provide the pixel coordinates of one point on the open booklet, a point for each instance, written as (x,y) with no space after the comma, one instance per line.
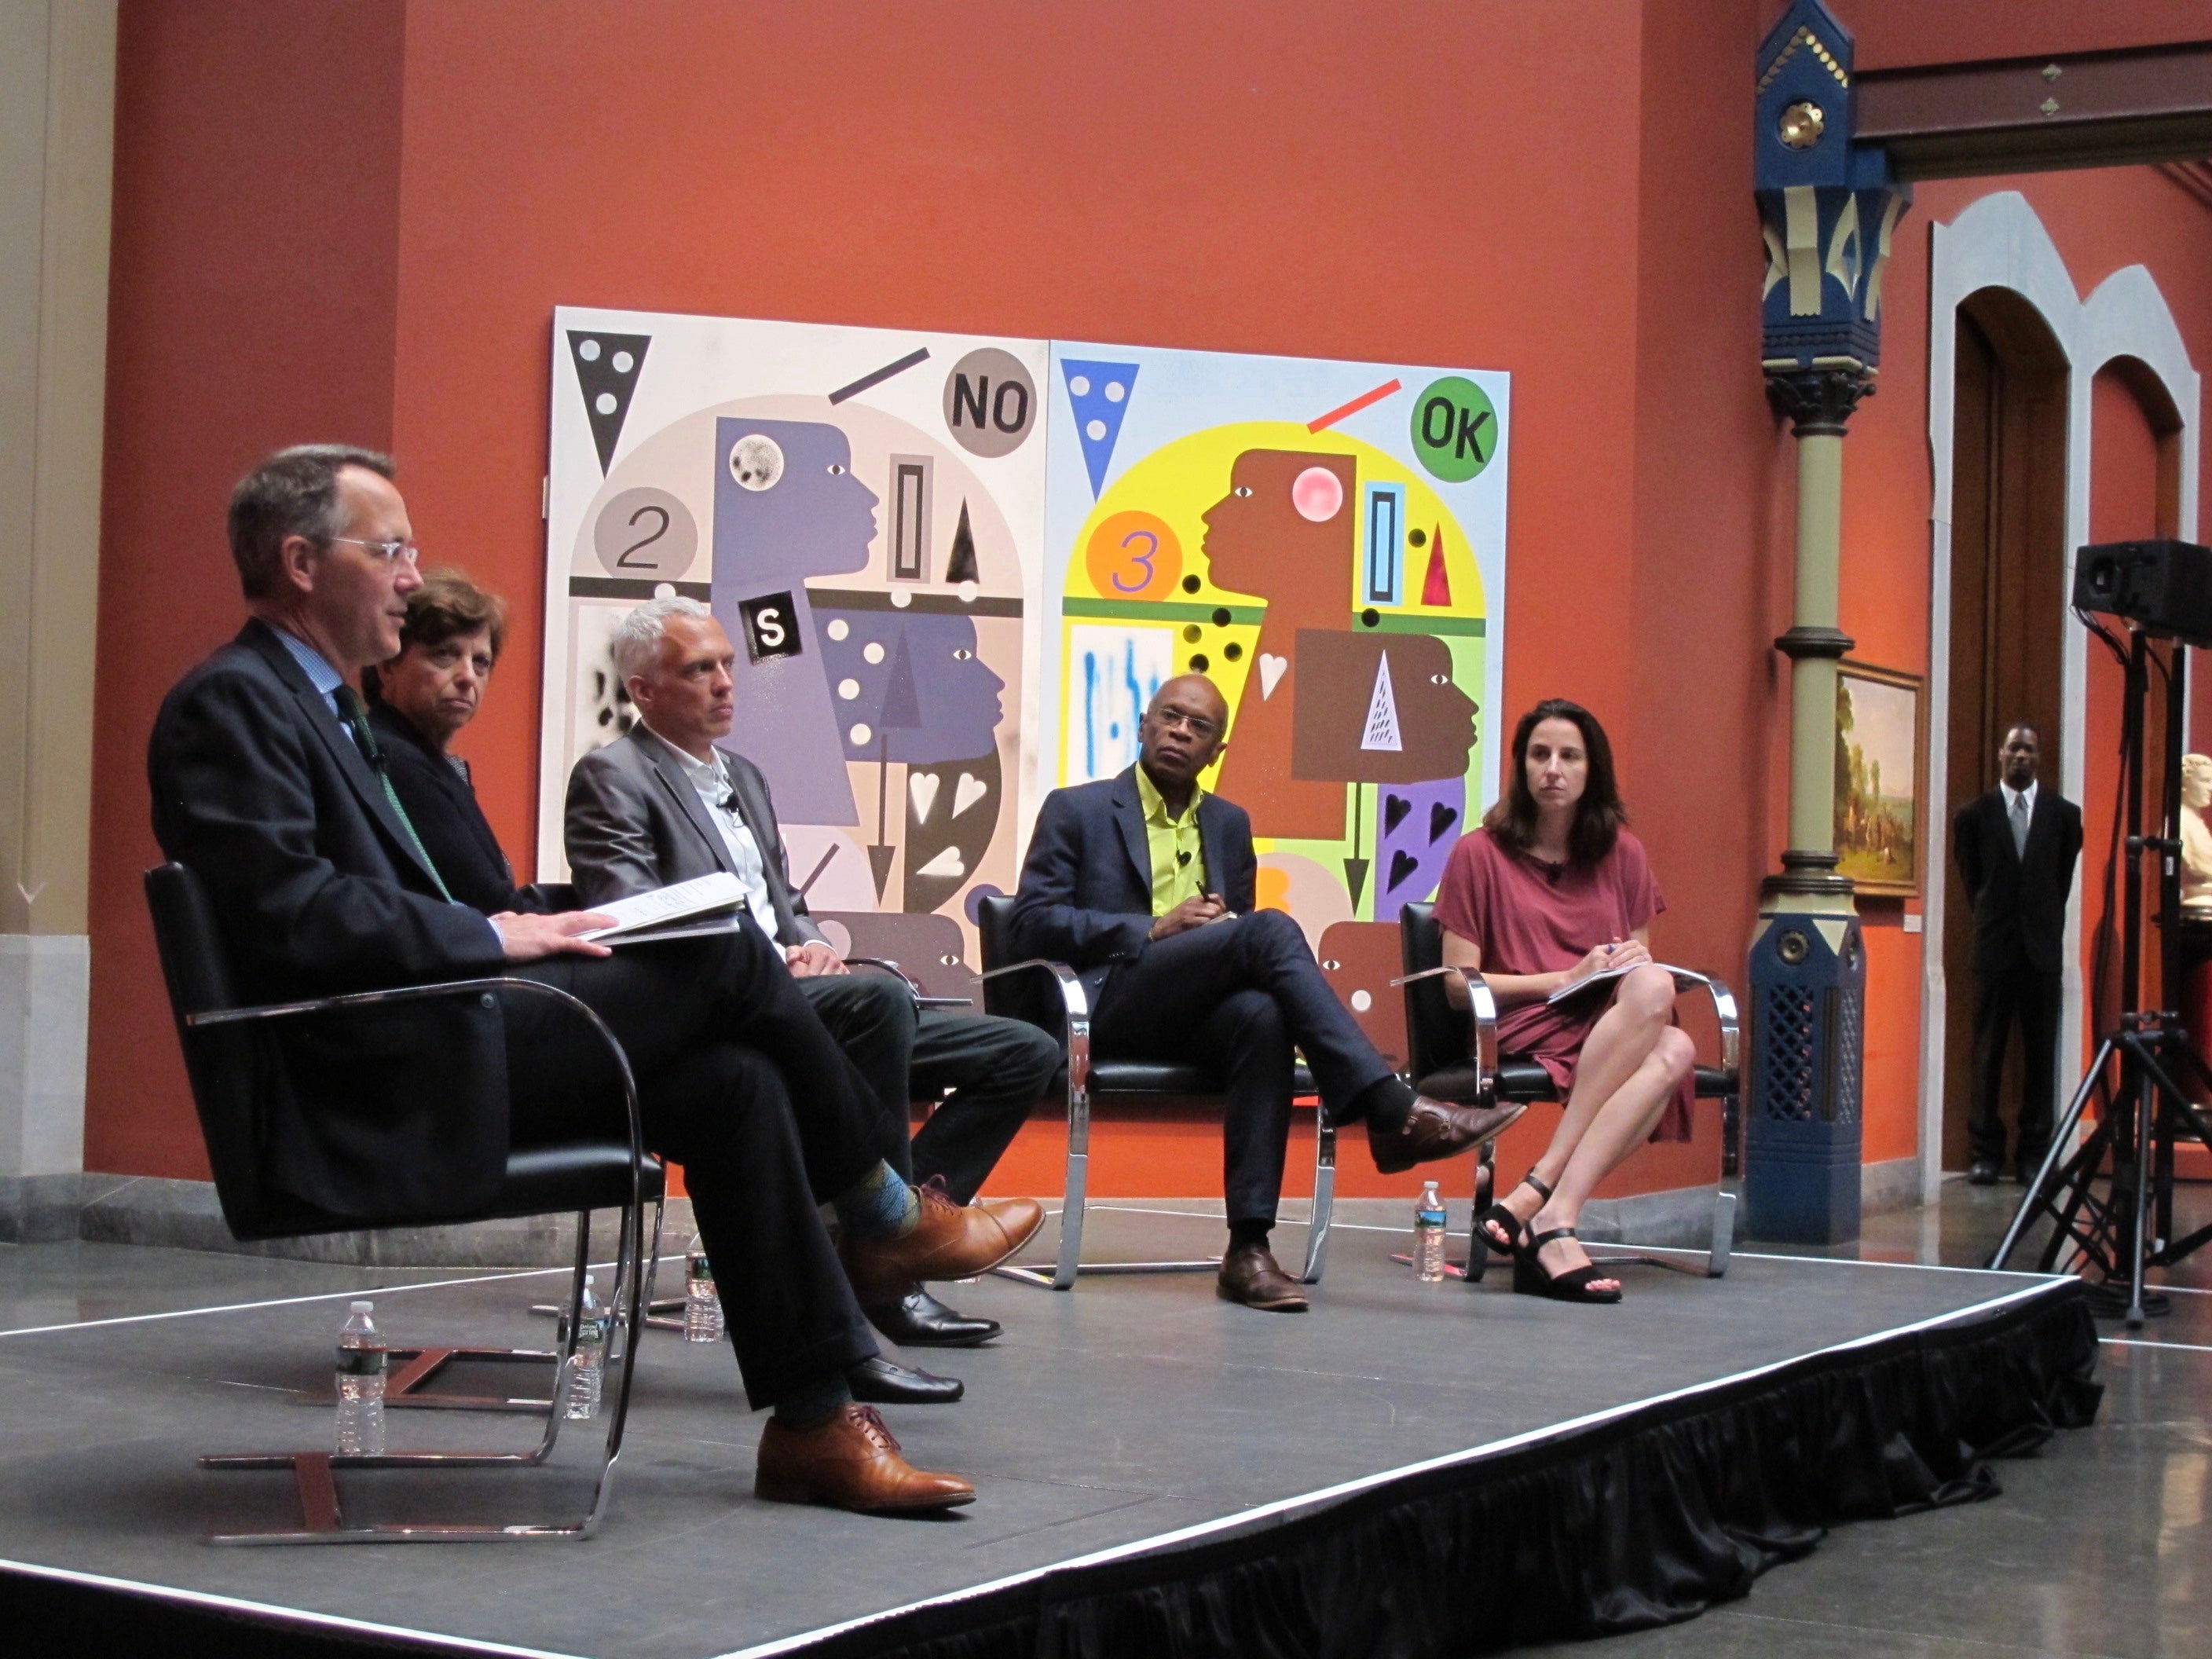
(719,896)
(1684,977)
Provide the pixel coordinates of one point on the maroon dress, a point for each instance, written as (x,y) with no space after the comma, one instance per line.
(1529,917)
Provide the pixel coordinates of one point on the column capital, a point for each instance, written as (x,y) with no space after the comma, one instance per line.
(1819,400)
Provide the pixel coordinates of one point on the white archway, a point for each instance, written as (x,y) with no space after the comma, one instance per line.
(1998,242)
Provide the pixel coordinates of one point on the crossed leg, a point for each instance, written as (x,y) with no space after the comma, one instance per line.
(1631,1064)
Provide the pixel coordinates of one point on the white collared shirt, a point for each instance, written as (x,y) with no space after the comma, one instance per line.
(716,794)
(2014,797)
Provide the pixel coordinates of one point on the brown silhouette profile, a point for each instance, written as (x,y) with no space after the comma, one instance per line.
(1379,708)
(1284,533)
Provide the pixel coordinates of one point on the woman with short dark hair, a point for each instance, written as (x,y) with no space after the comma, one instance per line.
(1553,889)
(418,701)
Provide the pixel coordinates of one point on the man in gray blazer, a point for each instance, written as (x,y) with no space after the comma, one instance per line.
(663,805)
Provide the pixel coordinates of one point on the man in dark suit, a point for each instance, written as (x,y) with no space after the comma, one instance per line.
(265,782)
(2016,847)
(663,804)
(1144,883)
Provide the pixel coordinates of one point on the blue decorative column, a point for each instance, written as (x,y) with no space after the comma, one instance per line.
(1828,210)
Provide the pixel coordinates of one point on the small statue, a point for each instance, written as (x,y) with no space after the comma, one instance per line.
(2195,835)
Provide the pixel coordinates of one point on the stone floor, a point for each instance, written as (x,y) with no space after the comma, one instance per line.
(2101,1545)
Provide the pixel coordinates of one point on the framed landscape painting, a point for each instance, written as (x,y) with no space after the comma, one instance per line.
(1879,743)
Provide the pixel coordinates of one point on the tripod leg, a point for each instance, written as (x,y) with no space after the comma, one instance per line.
(2074,1181)
(2147,1088)
(2058,1141)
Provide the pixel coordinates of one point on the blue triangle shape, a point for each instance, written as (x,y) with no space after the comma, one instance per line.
(1099,394)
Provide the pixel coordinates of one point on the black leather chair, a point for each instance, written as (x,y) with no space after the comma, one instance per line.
(1050,995)
(1453,1055)
(230,1059)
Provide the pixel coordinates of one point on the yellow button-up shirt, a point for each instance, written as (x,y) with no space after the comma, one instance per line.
(1178,856)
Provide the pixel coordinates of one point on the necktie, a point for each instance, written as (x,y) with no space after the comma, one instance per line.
(364,735)
(2020,825)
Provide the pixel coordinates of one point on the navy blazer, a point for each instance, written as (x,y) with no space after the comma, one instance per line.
(1086,890)
(441,805)
(399,1111)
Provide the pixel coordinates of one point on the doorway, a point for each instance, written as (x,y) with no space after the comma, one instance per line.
(2008,609)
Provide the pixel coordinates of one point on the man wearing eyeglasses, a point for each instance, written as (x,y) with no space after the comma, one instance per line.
(266,783)
(1144,885)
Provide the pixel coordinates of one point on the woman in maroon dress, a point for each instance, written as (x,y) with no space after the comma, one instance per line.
(1552,890)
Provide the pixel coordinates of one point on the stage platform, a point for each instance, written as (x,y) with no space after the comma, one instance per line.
(1408,1469)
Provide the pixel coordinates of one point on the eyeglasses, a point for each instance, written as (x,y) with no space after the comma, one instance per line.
(387,551)
(1199,726)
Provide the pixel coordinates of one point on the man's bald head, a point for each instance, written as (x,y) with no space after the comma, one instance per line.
(1192,692)
(1182,733)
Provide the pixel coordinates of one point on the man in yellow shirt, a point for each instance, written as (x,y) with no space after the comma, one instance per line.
(1144,885)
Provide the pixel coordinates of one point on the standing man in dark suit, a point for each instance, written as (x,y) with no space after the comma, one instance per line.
(1144,883)
(267,781)
(2016,847)
(663,804)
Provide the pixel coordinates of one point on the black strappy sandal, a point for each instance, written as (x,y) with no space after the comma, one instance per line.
(1510,1225)
(1529,1277)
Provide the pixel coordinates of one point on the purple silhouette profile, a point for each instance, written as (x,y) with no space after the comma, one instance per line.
(919,687)
(921,696)
(787,506)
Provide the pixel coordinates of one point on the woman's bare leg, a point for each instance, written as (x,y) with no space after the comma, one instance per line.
(1617,1045)
(1621,1125)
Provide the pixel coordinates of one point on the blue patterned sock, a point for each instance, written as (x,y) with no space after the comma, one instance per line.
(878,1203)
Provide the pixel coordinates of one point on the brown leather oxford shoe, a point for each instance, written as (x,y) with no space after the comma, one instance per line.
(947,1240)
(850,1461)
(1434,1129)
(1250,1274)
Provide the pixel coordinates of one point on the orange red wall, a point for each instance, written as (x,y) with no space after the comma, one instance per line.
(352,218)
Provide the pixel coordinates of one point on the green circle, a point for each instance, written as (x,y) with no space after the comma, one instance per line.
(1455,428)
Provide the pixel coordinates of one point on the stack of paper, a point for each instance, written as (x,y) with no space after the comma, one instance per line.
(686,900)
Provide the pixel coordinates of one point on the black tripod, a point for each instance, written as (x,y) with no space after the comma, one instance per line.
(2131,1227)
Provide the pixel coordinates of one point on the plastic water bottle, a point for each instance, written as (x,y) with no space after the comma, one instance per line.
(1429,1236)
(587,1365)
(703,1309)
(361,1384)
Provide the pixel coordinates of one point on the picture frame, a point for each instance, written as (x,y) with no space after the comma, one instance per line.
(1882,746)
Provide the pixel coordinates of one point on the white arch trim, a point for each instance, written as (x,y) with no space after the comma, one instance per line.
(1998,242)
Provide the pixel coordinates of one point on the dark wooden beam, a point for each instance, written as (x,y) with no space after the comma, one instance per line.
(2021,115)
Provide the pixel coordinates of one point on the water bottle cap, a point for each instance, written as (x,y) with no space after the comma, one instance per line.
(361,1307)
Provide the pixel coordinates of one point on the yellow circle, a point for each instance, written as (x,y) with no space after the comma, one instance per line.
(1133,556)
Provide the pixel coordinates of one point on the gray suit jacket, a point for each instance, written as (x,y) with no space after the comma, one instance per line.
(635,823)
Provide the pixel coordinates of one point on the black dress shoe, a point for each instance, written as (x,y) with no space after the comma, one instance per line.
(919,1320)
(1982,1172)
(878,1382)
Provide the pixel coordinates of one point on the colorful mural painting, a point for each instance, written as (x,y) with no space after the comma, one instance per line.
(956,568)
(1327,542)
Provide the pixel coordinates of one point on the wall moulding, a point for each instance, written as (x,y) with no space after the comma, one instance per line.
(1999,242)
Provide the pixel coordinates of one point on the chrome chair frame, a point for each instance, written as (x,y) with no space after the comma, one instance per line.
(666,1313)
(314,1471)
(1061,1272)
(1482,1008)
